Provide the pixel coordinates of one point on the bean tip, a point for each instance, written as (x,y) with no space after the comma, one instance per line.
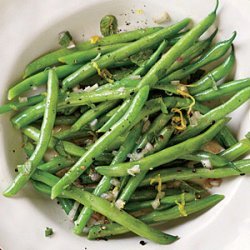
(216,6)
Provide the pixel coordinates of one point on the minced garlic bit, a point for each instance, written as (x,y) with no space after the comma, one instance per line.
(93,123)
(22,99)
(115,182)
(137,156)
(115,192)
(94,39)
(134,77)
(139,12)
(134,170)
(165,17)
(120,204)
(177,82)
(73,211)
(107,196)
(193,120)
(156,203)
(77,89)
(95,176)
(181,205)
(206,163)
(91,88)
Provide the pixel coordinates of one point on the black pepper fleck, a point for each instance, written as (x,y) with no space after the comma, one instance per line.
(14,151)
(242,174)
(194,170)
(143,243)
(15,171)
(138,150)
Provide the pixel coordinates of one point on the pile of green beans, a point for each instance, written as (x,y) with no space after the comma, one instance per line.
(131,149)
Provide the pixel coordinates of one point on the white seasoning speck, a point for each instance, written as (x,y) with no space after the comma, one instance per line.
(22,99)
(134,170)
(165,17)
(120,204)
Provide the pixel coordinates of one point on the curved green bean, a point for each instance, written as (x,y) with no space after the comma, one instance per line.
(157,217)
(51,58)
(28,168)
(100,145)
(107,60)
(39,79)
(241,167)
(167,155)
(210,79)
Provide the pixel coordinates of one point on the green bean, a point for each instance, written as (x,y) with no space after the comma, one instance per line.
(66,204)
(172,41)
(154,129)
(240,148)
(116,116)
(34,134)
(213,54)
(156,217)
(66,120)
(163,139)
(158,124)
(142,70)
(40,187)
(28,168)
(214,115)
(87,55)
(215,160)
(167,155)
(86,118)
(104,184)
(197,49)
(56,164)
(46,180)
(226,138)
(71,100)
(51,58)
(17,105)
(241,167)
(107,60)
(167,200)
(83,133)
(158,70)
(210,79)
(99,146)
(107,209)
(225,89)
(39,79)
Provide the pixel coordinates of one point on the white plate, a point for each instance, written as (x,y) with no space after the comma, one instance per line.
(29,28)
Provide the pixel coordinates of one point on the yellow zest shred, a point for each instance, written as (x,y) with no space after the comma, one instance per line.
(183,92)
(95,65)
(178,119)
(107,75)
(181,205)
(94,39)
(160,194)
(104,73)
(139,12)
